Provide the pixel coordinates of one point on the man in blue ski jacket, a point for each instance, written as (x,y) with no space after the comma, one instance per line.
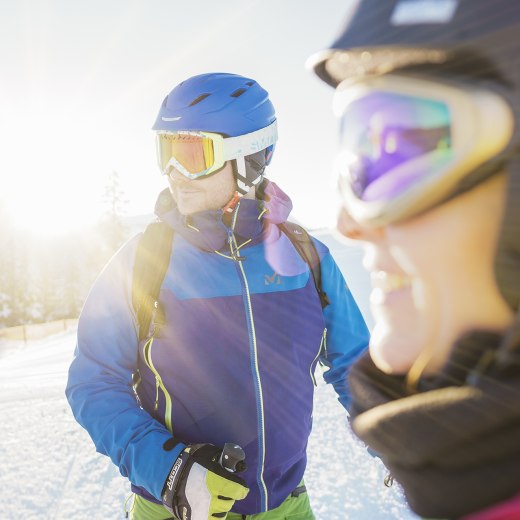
(243,326)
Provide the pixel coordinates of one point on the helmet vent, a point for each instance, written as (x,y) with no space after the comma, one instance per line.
(238,92)
(199,99)
(250,83)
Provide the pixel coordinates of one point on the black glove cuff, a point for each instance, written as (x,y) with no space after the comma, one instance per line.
(172,482)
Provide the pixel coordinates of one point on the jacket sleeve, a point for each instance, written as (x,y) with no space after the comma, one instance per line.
(347,334)
(99,387)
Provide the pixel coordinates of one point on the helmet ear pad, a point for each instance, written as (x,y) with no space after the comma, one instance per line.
(254,170)
(255,164)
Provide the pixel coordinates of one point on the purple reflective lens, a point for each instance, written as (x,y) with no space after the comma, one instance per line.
(381,132)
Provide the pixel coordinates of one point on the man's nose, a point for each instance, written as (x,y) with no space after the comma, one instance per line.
(352,229)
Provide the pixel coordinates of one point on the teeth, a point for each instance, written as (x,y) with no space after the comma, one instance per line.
(388,282)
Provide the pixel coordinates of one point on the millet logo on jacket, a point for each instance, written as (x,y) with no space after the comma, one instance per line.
(272,279)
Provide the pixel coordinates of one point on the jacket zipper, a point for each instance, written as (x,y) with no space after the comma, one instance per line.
(147,351)
(254,368)
(323,346)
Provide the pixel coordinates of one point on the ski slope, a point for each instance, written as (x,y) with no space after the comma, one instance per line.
(50,470)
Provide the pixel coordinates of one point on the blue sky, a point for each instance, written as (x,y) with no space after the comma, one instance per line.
(82,83)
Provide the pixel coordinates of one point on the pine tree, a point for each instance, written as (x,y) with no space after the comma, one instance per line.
(112,229)
(46,279)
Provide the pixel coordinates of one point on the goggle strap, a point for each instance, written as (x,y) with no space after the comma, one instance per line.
(242,185)
(248,144)
(480,174)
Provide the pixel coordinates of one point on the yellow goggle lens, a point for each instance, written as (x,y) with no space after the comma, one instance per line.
(194,153)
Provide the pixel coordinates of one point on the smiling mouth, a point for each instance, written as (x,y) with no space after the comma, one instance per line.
(385,286)
(389,282)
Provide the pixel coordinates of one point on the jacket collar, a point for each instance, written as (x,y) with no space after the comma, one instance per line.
(251,220)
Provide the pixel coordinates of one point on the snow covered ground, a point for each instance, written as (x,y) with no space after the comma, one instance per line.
(50,470)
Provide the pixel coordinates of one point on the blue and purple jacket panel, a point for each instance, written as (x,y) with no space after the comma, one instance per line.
(234,362)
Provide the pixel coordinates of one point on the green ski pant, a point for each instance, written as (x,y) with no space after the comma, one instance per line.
(293,508)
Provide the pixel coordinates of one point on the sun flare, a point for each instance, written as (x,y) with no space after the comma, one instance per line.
(49,210)
(53,176)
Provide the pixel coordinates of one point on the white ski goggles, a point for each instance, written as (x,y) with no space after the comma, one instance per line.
(406,142)
(196,154)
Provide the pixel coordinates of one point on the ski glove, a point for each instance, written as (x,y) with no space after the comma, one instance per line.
(199,488)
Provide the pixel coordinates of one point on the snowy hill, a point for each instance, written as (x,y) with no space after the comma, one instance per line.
(50,470)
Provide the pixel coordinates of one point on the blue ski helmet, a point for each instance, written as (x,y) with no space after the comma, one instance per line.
(223,103)
(466,40)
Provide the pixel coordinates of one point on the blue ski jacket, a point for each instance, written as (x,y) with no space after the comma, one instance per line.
(234,361)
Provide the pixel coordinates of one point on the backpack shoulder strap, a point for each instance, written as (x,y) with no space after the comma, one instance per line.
(151,263)
(306,248)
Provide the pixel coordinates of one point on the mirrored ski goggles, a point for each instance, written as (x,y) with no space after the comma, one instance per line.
(406,142)
(195,154)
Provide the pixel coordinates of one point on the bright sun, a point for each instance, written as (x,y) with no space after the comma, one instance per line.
(53,175)
(51,207)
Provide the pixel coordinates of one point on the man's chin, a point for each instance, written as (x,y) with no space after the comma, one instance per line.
(188,206)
